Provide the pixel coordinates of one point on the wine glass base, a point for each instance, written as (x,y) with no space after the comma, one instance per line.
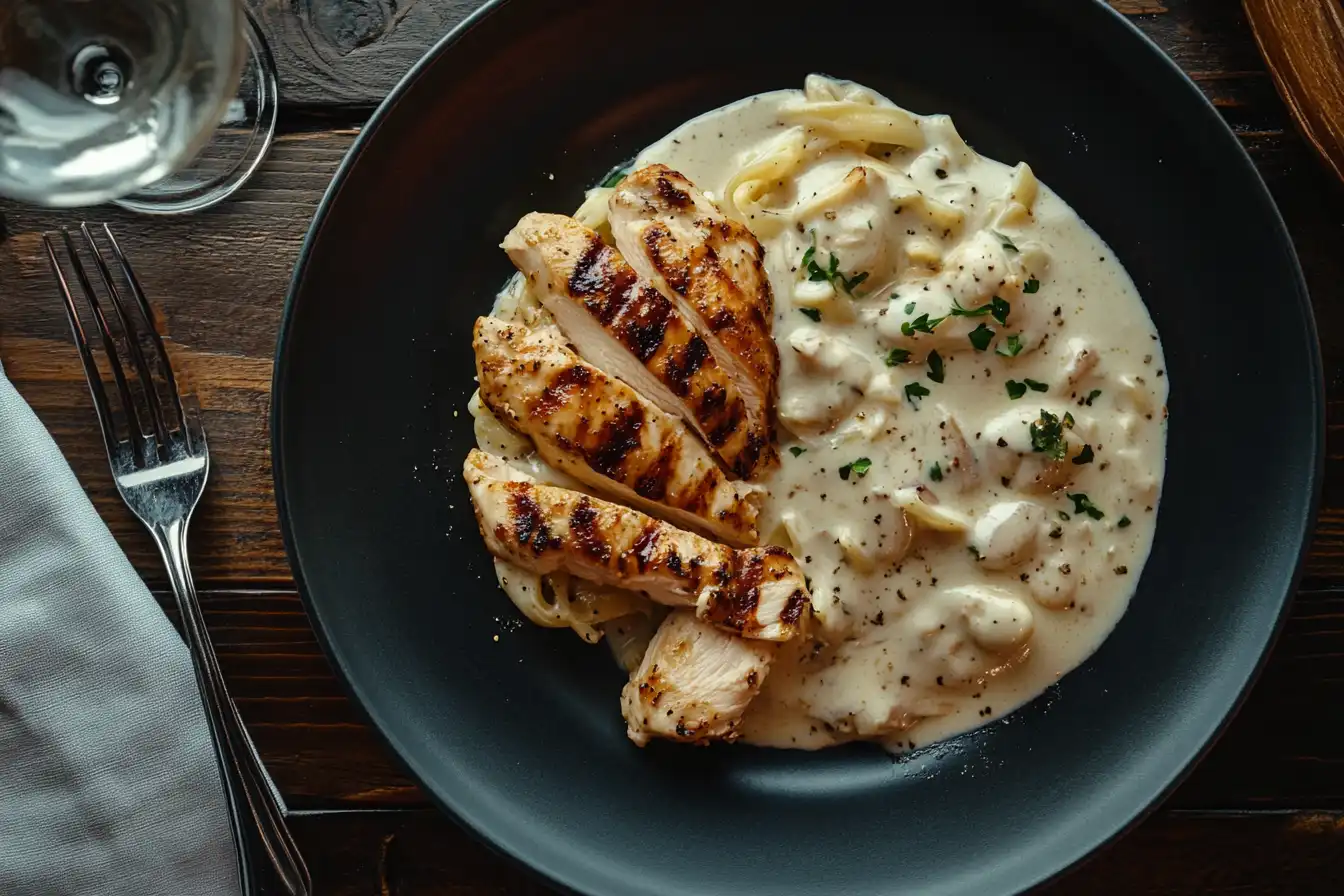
(236,148)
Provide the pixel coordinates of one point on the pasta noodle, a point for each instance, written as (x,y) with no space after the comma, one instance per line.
(759,177)
(593,212)
(560,601)
(849,121)
(1021,197)
(629,636)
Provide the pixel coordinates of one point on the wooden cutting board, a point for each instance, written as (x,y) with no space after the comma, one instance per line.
(1302,42)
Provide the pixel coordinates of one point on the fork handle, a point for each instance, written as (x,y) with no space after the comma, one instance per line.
(240,766)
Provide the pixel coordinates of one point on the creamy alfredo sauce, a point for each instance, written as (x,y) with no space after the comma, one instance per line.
(953,575)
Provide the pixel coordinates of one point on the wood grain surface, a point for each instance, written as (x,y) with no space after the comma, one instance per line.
(1303,45)
(1263,814)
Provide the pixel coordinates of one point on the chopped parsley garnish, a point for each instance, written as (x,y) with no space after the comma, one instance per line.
(998,309)
(1035,386)
(1015,389)
(996,306)
(1068,420)
(921,324)
(1010,347)
(936,473)
(1123,522)
(909,307)
(859,468)
(796,450)
(1064,516)
(935,367)
(831,273)
(1092,396)
(959,311)
(615,177)
(1083,504)
(975,552)
(1085,456)
(1003,241)
(915,390)
(814,313)
(1031,286)
(897,356)
(1047,436)
(980,337)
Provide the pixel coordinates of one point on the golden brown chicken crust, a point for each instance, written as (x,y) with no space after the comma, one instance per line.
(753,592)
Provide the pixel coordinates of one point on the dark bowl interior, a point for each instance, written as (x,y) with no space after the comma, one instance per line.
(521,738)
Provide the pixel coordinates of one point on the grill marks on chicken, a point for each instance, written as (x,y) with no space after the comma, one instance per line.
(674,324)
(754,592)
(709,266)
(605,434)
(621,323)
(694,683)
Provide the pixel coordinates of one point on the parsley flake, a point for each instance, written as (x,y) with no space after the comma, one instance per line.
(980,337)
(897,356)
(999,308)
(1031,286)
(1083,504)
(1092,396)
(935,367)
(1064,516)
(831,273)
(1085,456)
(1004,241)
(936,473)
(1010,347)
(1047,436)
(915,390)
(813,313)
(921,324)
(1123,522)
(959,311)
(615,177)
(996,307)
(1015,389)
(858,467)
(796,450)
(1035,385)
(909,307)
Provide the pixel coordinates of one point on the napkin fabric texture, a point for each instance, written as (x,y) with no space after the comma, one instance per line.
(108,782)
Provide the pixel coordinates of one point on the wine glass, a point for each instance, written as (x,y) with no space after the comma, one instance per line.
(160,106)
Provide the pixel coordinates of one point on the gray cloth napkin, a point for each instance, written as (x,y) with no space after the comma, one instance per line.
(108,783)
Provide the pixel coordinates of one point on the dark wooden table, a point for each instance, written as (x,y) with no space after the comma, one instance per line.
(1264,813)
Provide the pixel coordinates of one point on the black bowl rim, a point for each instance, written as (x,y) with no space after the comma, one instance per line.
(442,800)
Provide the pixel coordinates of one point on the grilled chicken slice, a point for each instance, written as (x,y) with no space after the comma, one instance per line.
(626,327)
(754,592)
(695,682)
(709,266)
(605,434)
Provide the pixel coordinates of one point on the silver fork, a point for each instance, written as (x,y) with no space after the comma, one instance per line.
(160,462)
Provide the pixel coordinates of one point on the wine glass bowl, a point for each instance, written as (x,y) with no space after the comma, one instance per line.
(114,100)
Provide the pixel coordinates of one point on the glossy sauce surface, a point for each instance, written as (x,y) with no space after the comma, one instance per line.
(958,568)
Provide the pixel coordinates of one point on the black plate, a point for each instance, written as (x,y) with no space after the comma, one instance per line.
(521,738)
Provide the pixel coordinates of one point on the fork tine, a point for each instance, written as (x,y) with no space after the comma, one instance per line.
(130,331)
(147,313)
(192,427)
(91,372)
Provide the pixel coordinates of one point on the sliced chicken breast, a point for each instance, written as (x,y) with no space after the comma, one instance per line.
(694,683)
(755,592)
(710,266)
(626,327)
(605,434)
